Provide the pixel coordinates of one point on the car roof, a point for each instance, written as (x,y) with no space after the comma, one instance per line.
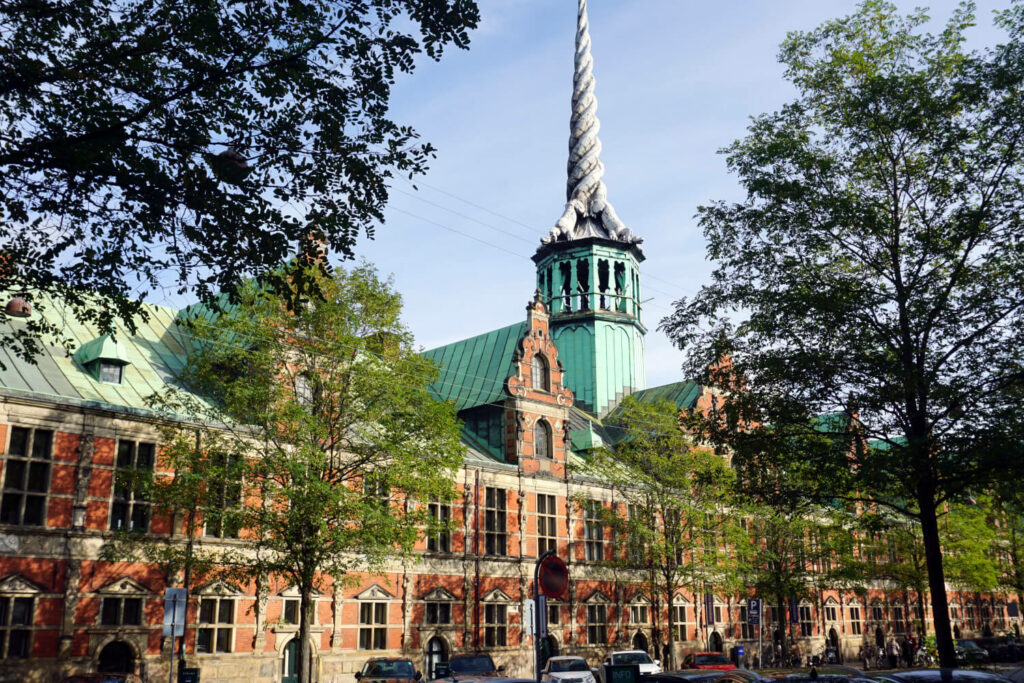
(560,657)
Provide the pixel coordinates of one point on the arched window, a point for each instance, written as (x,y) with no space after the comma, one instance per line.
(540,373)
(542,439)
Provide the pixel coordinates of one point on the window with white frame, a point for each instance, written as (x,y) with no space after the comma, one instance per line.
(440,538)
(290,611)
(746,630)
(638,613)
(26,475)
(830,612)
(593,528)
(897,616)
(17,613)
(216,625)
(495,625)
(597,624)
(438,612)
(855,624)
(679,620)
(877,613)
(130,508)
(539,379)
(373,626)
(554,613)
(495,522)
(547,523)
(542,447)
(806,623)
(120,611)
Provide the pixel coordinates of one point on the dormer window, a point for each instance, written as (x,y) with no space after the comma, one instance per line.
(110,372)
(103,358)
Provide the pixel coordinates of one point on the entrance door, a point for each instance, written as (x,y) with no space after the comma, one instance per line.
(116,658)
(288,659)
(879,637)
(640,641)
(716,642)
(436,654)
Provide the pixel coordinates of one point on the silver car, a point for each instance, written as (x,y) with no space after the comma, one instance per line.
(567,669)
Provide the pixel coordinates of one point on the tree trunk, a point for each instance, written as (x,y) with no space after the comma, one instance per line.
(920,607)
(781,619)
(936,576)
(669,664)
(302,653)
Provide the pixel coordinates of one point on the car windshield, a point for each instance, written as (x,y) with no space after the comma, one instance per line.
(968,645)
(712,659)
(568,665)
(480,664)
(631,658)
(399,668)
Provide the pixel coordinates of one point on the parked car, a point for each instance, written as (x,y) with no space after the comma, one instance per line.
(1001,648)
(568,669)
(941,676)
(685,676)
(824,674)
(469,667)
(638,657)
(708,660)
(388,670)
(102,678)
(969,652)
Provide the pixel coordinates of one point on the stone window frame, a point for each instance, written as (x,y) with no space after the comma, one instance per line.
(680,605)
(33,460)
(540,369)
(218,593)
(495,521)
(122,589)
(495,618)
(547,522)
(856,619)
(543,440)
(122,495)
(747,630)
(440,598)
(877,612)
(899,616)
(640,611)
(593,530)
(373,619)
(806,620)
(596,607)
(290,597)
(830,611)
(441,541)
(15,590)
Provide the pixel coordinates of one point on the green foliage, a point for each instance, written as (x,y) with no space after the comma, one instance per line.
(875,270)
(341,442)
(673,504)
(197,144)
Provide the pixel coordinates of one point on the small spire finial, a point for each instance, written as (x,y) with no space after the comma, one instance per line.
(587,211)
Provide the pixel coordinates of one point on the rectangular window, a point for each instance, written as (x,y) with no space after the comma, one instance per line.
(216,618)
(679,621)
(439,612)
(876,613)
(593,527)
(440,541)
(130,508)
(554,610)
(15,639)
(897,617)
(494,521)
(110,372)
(638,614)
(746,630)
(26,477)
(495,625)
(718,615)
(855,627)
(225,496)
(373,622)
(806,623)
(597,624)
(547,534)
(290,612)
(121,611)
(830,613)
(634,541)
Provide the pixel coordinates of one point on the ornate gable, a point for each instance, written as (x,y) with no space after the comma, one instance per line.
(124,586)
(597,598)
(16,583)
(496,595)
(375,592)
(440,594)
(220,587)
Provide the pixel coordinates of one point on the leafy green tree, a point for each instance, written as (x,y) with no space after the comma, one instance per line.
(196,144)
(875,268)
(674,505)
(344,445)
(1008,508)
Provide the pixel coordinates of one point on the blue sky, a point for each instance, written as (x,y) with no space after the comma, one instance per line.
(676,81)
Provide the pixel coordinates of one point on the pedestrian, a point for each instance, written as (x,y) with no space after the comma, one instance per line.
(892,649)
(864,656)
(908,651)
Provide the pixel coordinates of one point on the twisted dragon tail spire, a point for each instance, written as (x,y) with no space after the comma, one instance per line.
(587,211)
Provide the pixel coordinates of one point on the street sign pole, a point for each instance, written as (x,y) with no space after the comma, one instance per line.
(551,580)
(174,621)
(536,600)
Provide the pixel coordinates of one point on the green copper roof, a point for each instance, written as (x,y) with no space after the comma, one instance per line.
(683,394)
(101,348)
(153,356)
(474,370)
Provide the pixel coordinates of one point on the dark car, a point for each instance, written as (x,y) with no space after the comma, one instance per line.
(467,667)
(823,674)
(1001,648)
(708,660)
(941,676)
(969,652)
(685,676)
(388,670)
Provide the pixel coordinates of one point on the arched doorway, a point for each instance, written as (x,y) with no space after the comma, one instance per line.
(289,656)
(640,641)
(116,658)
(879,637)
(548,649)
(715,642)
(956,631)
(436,654)
(833,639)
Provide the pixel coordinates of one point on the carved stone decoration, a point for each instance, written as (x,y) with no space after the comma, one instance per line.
(262,596)
(587,211)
